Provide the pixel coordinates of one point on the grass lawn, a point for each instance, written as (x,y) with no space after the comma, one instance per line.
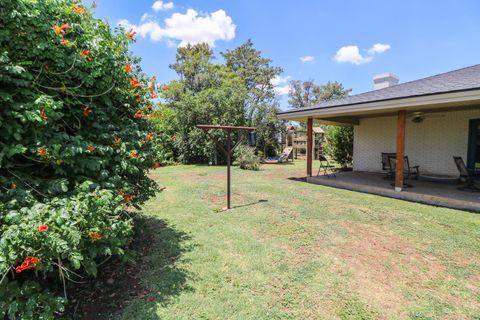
(291,250)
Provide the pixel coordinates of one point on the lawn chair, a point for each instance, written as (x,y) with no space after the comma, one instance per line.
(386,164)
(412,171)
(466,175)
(408,172)
(325,166)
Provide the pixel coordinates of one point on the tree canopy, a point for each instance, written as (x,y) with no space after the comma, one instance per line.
(205,93)
(303,94)
(261,104)
(237,92)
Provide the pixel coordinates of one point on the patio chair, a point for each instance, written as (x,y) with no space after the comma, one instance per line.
(325,166)
(466,175)
(408,172)
(386,164)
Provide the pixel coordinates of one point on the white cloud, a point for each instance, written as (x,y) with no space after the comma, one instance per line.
(171,43)
(146,17)
(307,59)
(379,48)
(160,5)
(281,91)
(126,24)
(278,80)
(351,54)
(190,27)
(280,86)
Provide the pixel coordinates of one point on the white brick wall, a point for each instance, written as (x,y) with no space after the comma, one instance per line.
(430,144)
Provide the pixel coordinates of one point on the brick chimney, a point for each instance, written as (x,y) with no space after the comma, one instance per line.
(384,80)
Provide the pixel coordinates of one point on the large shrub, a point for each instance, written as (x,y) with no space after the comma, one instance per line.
(246,158)
(340,144)
(75,146)
(163,121)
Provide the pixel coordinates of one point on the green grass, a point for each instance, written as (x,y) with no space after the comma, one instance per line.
(291,250)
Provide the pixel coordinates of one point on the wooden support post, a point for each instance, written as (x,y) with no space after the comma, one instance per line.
(309,146)
(399,168)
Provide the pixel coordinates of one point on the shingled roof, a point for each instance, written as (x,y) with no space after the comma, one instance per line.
(458,80)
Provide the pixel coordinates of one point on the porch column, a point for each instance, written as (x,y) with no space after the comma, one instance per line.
(401,121)
(309,146)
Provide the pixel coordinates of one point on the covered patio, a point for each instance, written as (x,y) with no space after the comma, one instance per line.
(428,121)
(442,194)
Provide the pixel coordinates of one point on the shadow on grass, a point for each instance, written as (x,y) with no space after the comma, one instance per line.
(289,163)
(298,179)
(151,277)
(162,278)
(250,204)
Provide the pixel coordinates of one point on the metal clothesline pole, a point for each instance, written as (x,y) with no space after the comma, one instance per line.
(229,154)
(228,151)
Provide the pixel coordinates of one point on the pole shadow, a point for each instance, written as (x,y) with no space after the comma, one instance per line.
(250,204)
(150,277)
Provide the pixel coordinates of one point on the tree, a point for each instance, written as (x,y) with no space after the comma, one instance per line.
(238,92)
(76,144)
(256,72)
(193,65)
(163,119)
(333,90)
(303,94)
(261,104)
(340,138)
(340,144)
(268,128)
(206,93)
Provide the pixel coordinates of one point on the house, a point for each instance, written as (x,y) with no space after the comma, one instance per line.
(430,120)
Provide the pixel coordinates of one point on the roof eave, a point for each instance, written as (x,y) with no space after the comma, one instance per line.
(390,105)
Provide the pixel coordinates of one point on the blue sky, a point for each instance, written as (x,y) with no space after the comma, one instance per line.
(413,39)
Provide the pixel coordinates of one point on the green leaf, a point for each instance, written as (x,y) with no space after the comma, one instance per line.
(90,268)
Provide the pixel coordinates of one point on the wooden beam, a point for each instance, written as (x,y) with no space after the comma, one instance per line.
(399,168)
(309,146)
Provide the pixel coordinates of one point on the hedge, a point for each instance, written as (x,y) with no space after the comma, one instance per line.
(76,144)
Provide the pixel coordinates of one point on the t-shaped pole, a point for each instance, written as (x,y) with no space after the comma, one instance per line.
(228,151)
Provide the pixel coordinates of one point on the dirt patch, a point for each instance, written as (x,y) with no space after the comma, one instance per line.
(335,208)
(382,265)
(220,200)
(378,266)
(201,176)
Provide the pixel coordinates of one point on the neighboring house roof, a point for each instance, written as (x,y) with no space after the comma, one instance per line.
(454,81)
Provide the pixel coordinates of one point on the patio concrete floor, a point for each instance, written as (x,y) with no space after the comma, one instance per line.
(433,193)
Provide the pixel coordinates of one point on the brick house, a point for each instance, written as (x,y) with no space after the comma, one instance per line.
(430,120)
